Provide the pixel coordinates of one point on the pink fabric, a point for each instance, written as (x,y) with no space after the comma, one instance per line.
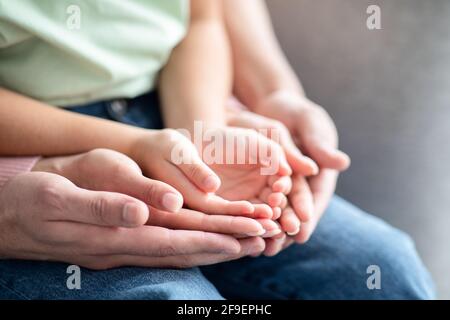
(12,166)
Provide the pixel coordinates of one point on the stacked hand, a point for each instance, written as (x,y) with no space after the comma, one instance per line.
(105,212)
(124,225)
(301,125)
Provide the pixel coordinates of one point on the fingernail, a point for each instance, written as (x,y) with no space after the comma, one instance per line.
(129,213)
(211,183)
(172,202)
(256,234)
(294,233)
(281,239)
(272,233)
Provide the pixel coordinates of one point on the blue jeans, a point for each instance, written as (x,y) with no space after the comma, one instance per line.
(332,265)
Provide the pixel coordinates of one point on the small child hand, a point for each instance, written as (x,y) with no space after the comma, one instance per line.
(154,152)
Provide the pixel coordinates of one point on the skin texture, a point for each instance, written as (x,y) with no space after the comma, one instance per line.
(194,86)
(309,193)
(107,170)
(62,222)
(266,84)
(196,81)
(22,131)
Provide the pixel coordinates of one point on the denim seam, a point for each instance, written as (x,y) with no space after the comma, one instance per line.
(19,294)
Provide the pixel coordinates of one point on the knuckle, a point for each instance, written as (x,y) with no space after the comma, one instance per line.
(233,223)
(194,170)
(166,250)
(98,209)
(151,194)
(167,244)
(171,135)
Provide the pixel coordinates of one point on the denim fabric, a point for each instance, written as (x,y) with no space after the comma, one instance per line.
(332,265)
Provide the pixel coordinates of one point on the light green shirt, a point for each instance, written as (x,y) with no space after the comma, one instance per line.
(72,52)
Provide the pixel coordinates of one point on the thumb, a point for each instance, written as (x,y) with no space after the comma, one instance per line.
(327,156)
(299,162)
(105,208)
(152,192)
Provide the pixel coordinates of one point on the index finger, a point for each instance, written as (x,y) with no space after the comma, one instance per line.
(193,220)
(145,240)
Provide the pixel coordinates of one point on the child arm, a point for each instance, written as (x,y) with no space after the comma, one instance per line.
(29,127)
(196,81)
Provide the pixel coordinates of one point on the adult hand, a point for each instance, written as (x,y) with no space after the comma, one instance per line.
(310,125)
(108,170)
(309,197)
(302,165)
(44,216)
(315,134)
(312,196)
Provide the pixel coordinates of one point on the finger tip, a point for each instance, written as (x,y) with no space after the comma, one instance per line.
(211,183)
(275,199)
(233,248)
(276,213)
(302,237)
(340,160)
(257,232)
(172,202)
(293,230)
(247,207)
(277,187)
(135,214)
(346,160)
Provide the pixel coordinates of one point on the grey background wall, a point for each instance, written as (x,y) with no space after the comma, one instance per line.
(389,93)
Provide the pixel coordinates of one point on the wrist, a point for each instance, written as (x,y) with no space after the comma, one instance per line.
(144,141)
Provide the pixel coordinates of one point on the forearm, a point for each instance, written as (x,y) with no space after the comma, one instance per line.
(260,67)
(196,82)
(29,127)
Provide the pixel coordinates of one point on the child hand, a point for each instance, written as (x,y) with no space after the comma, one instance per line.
(250,166)
(157,154)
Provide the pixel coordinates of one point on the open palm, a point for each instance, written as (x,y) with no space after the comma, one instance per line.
(248,180)
(240,182)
